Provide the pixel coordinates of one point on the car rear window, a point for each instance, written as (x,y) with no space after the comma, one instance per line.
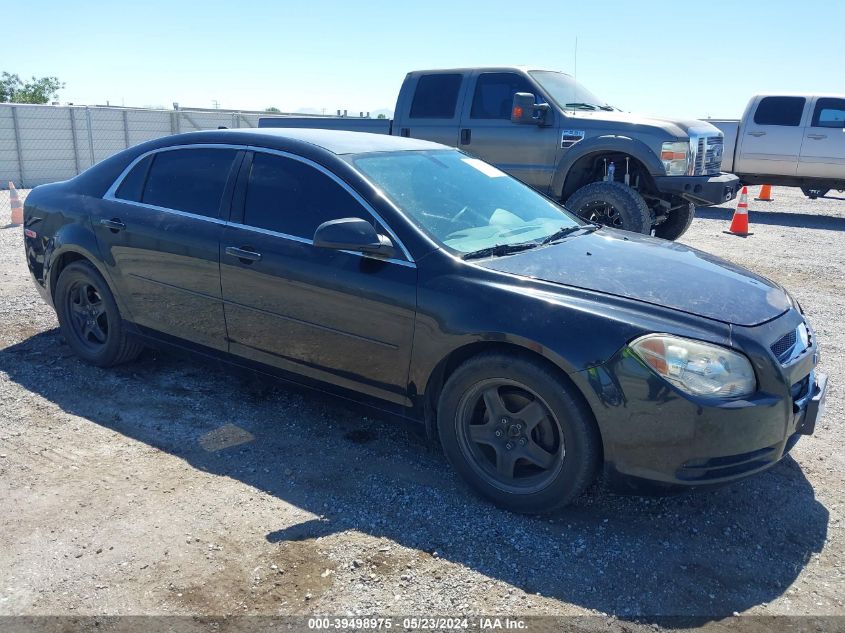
(132,187)
(190,180)
(436,96)
(288,196)
(784,111)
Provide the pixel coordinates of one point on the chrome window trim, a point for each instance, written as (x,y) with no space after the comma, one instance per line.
(111,191)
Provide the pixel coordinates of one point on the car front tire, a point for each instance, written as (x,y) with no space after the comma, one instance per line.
(89,318)
(517,433)
(611,204)
(676,224)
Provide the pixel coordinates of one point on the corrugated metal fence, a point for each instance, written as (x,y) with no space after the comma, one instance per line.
(43,143)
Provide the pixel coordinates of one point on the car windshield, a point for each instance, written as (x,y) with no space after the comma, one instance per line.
(463,202)
(568,93)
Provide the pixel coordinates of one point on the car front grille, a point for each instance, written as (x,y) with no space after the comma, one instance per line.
(708,158)
(782,347)
(701,470)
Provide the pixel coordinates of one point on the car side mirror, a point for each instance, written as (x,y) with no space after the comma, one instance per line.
(524,110)
(352,234)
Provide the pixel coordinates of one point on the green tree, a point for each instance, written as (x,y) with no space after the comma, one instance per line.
(273,109)
(381,116)
(37,90)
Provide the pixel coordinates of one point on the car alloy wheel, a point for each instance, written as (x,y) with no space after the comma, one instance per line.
(89,319)
(510,436)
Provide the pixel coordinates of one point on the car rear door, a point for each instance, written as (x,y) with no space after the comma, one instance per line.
(823,151)
(159,230)
(526,152)
(772,137)
(335,316)
(429,107)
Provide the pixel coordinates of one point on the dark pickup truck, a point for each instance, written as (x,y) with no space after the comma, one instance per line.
(629,171)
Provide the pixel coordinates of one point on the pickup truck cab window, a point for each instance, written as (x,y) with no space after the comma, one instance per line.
(783,111)
(436,96)
(288,196)
(829,112)
(494,93)
(189,180)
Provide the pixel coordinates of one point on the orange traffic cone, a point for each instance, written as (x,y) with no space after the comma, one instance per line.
(739,224)
(15,202)
(765,194)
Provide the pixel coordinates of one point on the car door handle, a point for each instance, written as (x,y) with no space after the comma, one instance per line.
(817,136)
(757,134)
(243,254)
(466,136)
(114,225)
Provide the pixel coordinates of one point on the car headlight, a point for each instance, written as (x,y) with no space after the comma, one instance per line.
(675,157)
(700,369)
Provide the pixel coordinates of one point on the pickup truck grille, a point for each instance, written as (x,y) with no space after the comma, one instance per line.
(708,158)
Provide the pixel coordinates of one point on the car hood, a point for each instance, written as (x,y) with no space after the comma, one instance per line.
(673,127)
(653,271)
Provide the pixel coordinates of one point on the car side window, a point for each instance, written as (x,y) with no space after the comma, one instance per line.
(288,196)
(436,96)
(132,186)
(190,180)
(784,111)
(493,97)
(829,112)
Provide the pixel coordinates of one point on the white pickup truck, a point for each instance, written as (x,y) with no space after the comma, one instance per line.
(791,140)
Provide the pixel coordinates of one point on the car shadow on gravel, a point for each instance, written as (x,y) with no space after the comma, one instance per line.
(776,218)
(704,555)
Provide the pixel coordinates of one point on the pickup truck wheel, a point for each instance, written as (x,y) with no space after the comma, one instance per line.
(611,204)
(89,318)
(516,432)
(676,224)
(812,194)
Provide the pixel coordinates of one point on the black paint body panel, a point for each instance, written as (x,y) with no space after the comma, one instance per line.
(385,332)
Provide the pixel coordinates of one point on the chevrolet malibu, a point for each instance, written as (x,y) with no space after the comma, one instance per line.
(540,350)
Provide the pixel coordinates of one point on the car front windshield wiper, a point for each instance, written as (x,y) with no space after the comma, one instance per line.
(568,230)
(590,106)
(499,250)
(582,106)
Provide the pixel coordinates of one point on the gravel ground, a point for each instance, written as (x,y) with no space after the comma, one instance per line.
(172,486)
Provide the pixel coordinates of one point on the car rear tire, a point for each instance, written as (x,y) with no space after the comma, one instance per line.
(812,194)
(89,318)
(611,204)
(517,433)
(676,224)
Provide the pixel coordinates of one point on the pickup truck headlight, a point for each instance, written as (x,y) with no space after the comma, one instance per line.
(675,157)
(699,369)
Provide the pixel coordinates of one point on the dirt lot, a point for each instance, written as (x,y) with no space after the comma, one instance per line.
(171,486)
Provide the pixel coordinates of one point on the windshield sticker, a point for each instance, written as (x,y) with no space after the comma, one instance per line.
(568,138)
(484,168)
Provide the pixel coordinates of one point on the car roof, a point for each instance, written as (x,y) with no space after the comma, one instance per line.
(334,141)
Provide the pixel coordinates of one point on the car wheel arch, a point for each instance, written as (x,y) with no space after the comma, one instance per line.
(593,148)
(454,359)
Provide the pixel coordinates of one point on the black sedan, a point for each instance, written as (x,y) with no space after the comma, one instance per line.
(427,283)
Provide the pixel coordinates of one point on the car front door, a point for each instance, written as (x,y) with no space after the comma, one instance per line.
(771,140)
(159,231)
(525,151)
(823,151)
(336,316)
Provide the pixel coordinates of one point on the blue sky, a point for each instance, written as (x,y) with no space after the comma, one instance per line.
(679,59)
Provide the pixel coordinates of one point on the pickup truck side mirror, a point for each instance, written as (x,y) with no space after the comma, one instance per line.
(524,110)
(352,234)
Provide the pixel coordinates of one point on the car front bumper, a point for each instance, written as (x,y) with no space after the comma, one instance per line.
(657,438)
(701,190)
